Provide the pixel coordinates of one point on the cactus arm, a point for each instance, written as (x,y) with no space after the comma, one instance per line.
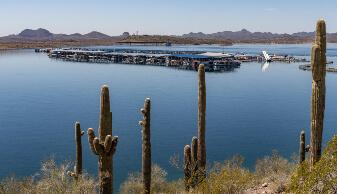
(194,149)
(113,145)
(315,58)
(98,147)
(91,137)
(107,143)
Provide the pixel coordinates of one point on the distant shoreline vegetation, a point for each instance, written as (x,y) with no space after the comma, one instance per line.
(34,44)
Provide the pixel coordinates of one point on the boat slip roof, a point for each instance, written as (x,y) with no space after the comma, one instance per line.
(211,54)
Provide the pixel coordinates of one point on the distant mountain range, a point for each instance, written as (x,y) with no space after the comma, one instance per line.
(43,34)
(234,36)
(245,36)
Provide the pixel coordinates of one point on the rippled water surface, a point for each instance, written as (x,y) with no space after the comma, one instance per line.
(249,112)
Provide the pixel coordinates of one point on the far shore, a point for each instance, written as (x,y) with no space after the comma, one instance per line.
(109,42)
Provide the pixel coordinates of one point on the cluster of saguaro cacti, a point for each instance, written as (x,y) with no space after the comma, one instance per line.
(78,164)
(105,145)
(318,62)
(195,155)
(146,146)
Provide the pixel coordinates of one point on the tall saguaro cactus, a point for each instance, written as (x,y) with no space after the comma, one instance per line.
(146,146)
(105,145)
(318,62)
(201,120)
(78,164)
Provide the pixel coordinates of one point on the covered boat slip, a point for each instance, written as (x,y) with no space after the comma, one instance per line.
(181,60)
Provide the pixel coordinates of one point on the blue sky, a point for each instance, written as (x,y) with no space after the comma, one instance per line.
(168,17)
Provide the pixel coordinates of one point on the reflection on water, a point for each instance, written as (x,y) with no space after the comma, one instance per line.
(265,66)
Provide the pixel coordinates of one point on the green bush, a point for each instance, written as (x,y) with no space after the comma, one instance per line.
(159,183)
(229,177)
(322,178)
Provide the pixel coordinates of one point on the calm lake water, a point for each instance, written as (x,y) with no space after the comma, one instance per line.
(249,112)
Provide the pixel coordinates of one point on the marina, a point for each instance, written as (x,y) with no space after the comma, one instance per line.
(188,60)
(214,62)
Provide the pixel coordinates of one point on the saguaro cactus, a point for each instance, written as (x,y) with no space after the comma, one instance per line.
(187,167)
(104,146)
(78,164)
(146,146)
(194,162)
(302,147)
(194,151)
(318,62)
(201,120)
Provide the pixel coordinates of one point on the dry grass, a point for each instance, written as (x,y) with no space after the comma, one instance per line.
(227,177)
(52,179)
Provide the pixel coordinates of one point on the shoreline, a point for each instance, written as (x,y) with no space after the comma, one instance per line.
(23,46)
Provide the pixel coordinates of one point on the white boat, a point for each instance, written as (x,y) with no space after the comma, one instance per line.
(266,56)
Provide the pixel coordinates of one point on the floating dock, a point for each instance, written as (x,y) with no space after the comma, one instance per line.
(307,67)
(214,62)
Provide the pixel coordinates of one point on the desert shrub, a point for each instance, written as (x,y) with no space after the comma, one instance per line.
(12,185)
(322,178)
(275,169)
(229,177)
(159,183)
(52,179)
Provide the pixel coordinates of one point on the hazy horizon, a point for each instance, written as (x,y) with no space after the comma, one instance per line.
(165,18)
